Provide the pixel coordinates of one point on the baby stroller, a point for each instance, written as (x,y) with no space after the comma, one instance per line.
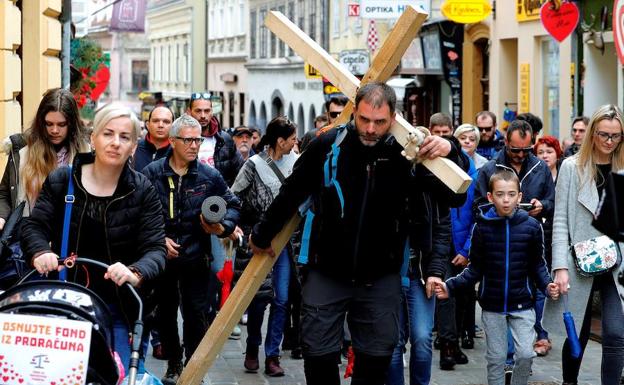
(61,299)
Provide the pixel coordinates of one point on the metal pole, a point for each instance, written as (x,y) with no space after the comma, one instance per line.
(66,44)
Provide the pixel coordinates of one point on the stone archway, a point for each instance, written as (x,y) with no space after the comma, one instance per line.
(475,71)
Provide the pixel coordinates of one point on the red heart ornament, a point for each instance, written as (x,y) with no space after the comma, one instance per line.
(560,23)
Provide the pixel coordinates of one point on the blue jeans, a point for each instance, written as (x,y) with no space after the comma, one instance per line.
(540,298)
(277,313)
(121,333)
(418,327)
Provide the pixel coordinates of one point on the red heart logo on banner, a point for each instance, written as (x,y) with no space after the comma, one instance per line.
(560,23)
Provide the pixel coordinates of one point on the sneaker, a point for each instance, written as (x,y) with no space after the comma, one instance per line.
(236,333)
(252,364)
(272,367)
(479,333)
(174,369)
(158,352)
(243,320)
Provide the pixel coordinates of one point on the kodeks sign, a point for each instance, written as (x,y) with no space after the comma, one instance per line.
(618,28)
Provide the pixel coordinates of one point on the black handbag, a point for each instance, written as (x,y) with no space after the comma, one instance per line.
(12,263)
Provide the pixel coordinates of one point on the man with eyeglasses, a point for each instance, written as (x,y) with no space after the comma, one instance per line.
(156,142)
(491,140)
(333,109)
(579,128)
(218,150)
(183,183)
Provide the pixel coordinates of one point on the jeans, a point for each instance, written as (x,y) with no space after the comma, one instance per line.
(277,313)
(497,327)
(121,334)
(418,326)
(612,335)
(539,312)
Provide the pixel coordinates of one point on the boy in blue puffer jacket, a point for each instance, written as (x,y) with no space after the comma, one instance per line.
(507,259)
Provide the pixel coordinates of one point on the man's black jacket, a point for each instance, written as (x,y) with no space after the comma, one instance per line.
(189,192)
(365,239)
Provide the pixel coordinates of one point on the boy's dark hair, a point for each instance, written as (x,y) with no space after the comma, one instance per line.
(440,119)
(522,126)
(505,175)
(339,100)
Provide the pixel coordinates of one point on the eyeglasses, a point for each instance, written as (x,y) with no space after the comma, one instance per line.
(188,141)
(200,95)
(486,129)
(517,150)
(334,114)
(605,137)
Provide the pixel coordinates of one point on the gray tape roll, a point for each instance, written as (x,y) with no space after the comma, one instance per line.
(213,209)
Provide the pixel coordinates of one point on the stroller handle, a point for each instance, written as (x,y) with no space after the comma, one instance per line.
(137,331)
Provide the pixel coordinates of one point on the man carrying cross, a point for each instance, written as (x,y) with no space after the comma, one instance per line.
(360,186)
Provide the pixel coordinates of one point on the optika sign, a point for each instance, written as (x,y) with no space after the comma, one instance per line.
(388,9)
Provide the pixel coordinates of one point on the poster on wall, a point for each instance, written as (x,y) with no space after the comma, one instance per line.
(38,350)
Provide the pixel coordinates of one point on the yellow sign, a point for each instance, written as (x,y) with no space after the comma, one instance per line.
(466,11)
(525,87)
(311,72)
(527,10)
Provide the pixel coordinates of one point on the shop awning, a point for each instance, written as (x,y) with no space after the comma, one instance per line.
(399,85)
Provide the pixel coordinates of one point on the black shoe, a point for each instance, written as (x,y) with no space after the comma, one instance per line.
(460,357)
(447,355)
(174,369)
(467,342)
(296,354)
(252,363)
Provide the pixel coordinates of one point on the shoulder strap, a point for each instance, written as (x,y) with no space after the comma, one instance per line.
(273,166)
(69,202)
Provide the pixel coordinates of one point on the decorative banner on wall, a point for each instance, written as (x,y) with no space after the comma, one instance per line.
(466,11)
(560,23)
(527,10)
(618,28)
(128,16)
(525,87)
(43,350)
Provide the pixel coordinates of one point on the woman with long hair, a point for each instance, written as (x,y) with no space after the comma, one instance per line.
(116,218)
(581,181)
(257,184)
(53,139)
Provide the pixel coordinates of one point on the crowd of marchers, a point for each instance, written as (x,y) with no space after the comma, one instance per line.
(386,253)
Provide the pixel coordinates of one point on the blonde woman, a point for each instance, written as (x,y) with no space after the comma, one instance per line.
(581,181)
(468,137)
(54,138)
(116,218)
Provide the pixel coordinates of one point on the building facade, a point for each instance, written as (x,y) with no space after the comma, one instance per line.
(276,83)
(177,42)
(29,59)
(228,23)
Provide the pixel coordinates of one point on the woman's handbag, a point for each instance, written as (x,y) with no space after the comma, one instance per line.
(596,256)
(12,263)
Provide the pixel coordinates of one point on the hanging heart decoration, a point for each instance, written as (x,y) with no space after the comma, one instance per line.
(560,23)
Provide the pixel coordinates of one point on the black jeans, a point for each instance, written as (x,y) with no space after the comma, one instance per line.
(191,286)
(445,313)
(612,335)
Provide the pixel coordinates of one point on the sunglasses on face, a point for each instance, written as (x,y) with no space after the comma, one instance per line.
(334,114)
(605,137)
(188,141)
(517,150)
(486,129)
(200,95)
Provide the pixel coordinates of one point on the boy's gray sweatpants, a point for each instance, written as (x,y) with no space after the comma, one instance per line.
(495,325)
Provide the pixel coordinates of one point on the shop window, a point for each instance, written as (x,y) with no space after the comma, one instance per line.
(140,75)
(550,92)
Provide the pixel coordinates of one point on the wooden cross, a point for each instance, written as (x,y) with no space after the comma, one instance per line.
(384,63)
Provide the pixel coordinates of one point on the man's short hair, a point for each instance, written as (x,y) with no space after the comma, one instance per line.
(149,116)
(440,119)
(534,121)
(184,120)
(486,114)
(583,119)
(339,100)
(503,174)
(522,126)
(321,119)
(376,94)
(200,95)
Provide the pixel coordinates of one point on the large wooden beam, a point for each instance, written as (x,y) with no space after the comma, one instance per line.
(233,309)
(448,172)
